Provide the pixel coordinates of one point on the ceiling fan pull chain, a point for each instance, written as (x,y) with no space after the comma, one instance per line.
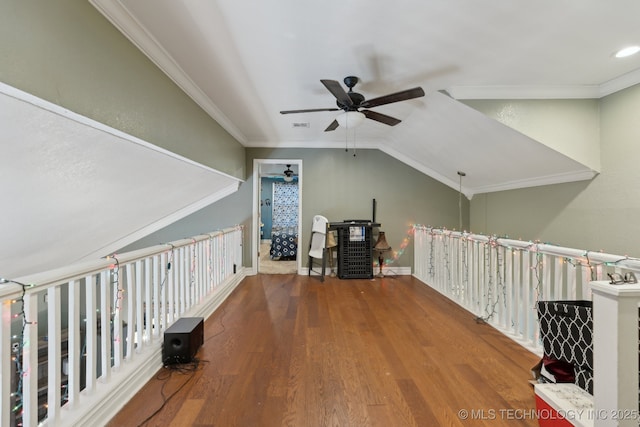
(346,140)
(354,142)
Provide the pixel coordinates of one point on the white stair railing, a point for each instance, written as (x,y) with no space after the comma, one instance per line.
(78,341)
(500,280)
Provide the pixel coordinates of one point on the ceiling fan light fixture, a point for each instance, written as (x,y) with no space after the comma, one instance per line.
(288,174)
(350,119)
(351,102)
(627,51)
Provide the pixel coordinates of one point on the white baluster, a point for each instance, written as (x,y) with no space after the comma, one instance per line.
(105,326)
(131,309)
(54,365)
(91,325)
(510,302)
(139,303)
(558,288)
(159,284)
(30,361)
(151,284)
(7,367)
(74,357)
(117,286)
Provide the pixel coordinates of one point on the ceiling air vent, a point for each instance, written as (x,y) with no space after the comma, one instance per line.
(301,125)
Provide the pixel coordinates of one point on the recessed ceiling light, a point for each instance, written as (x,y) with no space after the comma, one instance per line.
(627,51)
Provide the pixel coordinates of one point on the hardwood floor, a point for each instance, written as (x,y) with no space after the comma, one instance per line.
(288,350)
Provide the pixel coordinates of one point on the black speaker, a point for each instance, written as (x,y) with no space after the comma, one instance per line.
(182,340)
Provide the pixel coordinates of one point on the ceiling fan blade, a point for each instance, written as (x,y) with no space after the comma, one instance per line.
(382,118)
(336,89)
(416,92)
(334,124)
(312,110)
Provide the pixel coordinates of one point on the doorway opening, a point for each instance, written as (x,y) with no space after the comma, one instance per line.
(277,213)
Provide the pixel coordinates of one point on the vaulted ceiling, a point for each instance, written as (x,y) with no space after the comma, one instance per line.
(245,61)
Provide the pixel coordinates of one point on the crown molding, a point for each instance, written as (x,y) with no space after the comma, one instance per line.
(468,192)
(525,92)
(620,83)
(575,176)
(127,24)
(360,144)
(547,92)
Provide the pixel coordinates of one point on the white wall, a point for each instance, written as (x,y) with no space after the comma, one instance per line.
(569,126)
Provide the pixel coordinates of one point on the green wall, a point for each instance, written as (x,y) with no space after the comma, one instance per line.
(234,209)
(339,186)
(600,214)
(66,52)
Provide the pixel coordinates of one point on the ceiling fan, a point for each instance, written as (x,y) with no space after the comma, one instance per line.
(354,102)
(288,174)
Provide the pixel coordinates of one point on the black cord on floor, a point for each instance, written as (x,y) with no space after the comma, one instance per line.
(224,311)
(182,368)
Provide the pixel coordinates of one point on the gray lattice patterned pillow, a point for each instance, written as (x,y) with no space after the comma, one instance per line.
(566,331)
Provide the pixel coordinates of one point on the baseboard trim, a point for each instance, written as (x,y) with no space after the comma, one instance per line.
(389,272)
